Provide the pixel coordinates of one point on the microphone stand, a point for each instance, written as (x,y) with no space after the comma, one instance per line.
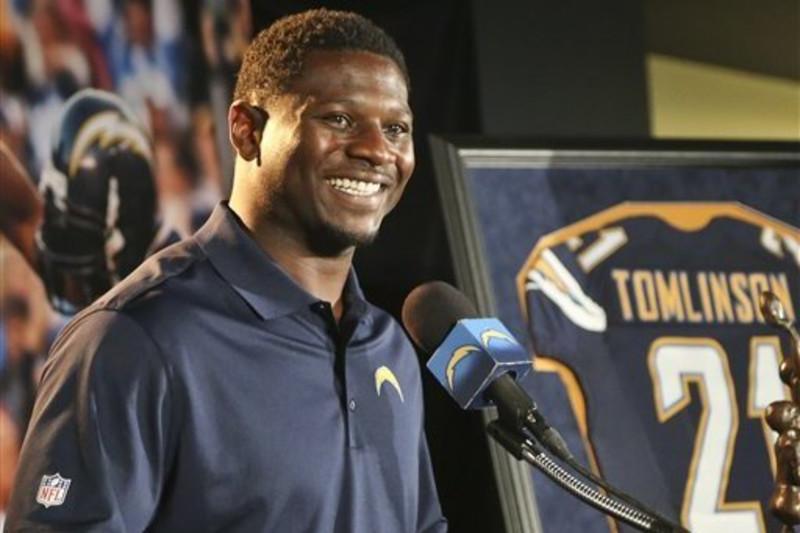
(517,443)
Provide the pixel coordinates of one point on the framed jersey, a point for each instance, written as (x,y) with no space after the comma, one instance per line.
(634,271)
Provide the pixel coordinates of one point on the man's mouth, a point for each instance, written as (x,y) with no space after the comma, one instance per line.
(355,187)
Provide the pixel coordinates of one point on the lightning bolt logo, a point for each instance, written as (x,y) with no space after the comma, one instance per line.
(385,375)
(464,351)
(489,334)
(107,129)
(458,355)
(554,280)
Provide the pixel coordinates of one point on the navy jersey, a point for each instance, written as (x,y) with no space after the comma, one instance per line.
(650,314)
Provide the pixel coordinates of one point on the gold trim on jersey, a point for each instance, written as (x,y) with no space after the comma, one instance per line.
(577,401)
(713,397)
(684,216)
(778,238)
(724,297)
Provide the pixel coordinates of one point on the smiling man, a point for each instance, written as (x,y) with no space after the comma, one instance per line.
(238,380)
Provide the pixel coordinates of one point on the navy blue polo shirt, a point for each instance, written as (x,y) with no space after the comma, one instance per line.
(209,392)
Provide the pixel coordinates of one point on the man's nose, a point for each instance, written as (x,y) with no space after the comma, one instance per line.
(370,143)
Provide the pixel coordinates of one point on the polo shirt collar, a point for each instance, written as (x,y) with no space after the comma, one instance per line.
(263,284)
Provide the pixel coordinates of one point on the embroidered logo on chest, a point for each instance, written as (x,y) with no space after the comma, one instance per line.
(53,490)
(385,375)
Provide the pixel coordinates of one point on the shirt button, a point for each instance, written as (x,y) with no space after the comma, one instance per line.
(352,405)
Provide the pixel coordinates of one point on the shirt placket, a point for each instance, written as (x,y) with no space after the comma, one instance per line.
(342,370)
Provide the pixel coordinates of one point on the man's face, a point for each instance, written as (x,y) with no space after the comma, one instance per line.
(337,151)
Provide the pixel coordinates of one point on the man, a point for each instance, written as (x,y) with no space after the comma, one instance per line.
(238,381)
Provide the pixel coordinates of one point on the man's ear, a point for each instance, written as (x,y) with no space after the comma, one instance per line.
(245,126)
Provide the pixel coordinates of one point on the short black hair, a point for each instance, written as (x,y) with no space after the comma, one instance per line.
(276,55)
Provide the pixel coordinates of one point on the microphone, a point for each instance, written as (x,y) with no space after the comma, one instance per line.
(479,362)
(476,360)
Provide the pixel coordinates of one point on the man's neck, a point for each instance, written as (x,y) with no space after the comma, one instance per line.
(323,277)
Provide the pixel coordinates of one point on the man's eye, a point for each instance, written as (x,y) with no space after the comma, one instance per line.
(339,121)
(396,129)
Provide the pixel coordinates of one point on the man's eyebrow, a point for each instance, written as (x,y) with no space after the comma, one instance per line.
(401,109)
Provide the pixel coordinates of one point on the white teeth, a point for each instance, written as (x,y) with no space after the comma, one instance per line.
(354,187)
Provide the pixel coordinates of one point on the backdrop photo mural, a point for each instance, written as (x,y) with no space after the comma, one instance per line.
(169,64)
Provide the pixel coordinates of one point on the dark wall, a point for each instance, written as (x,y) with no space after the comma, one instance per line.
(562,69)
(548,69)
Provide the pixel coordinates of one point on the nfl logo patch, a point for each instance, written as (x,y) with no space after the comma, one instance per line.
(53,490)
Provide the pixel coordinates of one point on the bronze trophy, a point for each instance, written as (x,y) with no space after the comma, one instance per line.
(784,418)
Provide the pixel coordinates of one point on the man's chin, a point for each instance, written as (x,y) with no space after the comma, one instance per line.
(335,241)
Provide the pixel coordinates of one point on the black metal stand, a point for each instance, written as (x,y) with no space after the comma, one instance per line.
(623,507)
